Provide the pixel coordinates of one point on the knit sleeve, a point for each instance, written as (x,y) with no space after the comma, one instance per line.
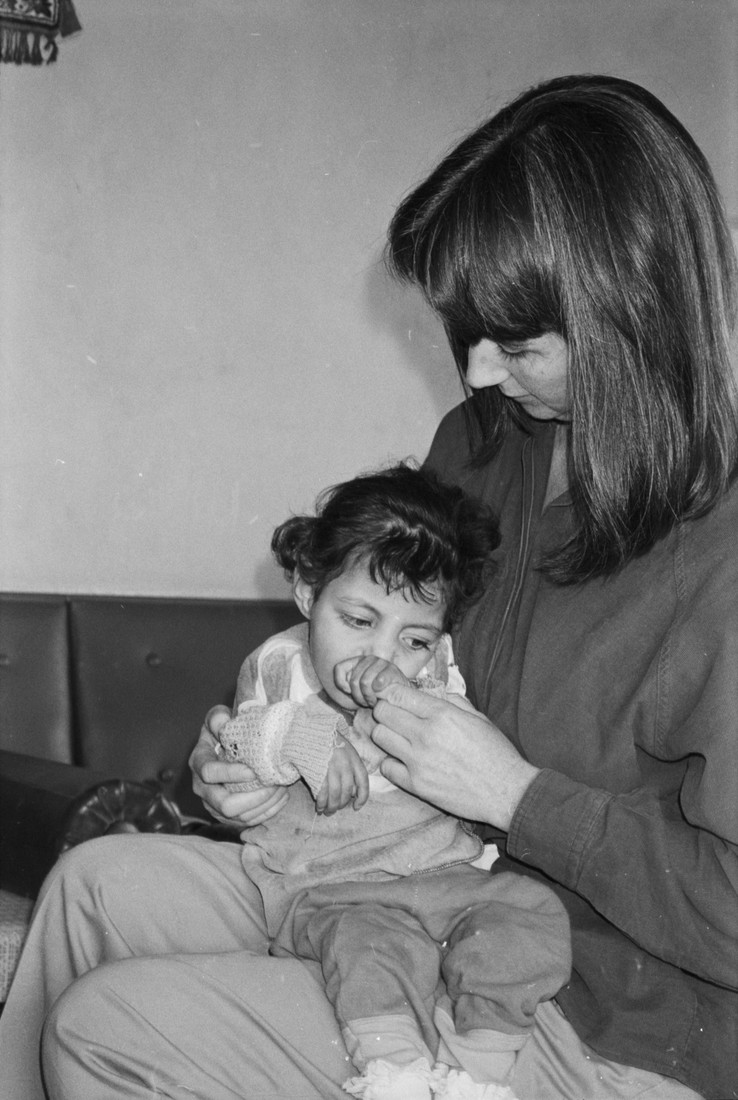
(284,741)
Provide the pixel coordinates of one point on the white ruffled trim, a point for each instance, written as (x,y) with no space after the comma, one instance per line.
(382,1080)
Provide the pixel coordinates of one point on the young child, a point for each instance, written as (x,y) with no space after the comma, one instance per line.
(434,966)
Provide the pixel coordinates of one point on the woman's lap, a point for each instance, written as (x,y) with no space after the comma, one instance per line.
(118,898)
(220,1027)
(556,1065)
(159,943)
(239,1026)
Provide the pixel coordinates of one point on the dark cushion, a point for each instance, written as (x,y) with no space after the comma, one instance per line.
(47,807)
(116,806)
(146,672)
(35,707)
(35,798)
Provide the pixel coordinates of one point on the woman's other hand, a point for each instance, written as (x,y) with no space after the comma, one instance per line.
(450,755)
(211,774)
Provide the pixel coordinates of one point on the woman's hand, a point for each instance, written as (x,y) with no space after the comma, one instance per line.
(450,755)
(210,774)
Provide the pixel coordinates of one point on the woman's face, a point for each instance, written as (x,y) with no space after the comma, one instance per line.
(534,373)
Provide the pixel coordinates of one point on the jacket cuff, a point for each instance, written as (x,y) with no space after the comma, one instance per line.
(553,823)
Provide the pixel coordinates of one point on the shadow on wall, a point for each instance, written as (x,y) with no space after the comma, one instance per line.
(402,314)
(417,342)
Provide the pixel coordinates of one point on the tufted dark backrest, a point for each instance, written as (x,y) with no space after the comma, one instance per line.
(121,685)
(35,670)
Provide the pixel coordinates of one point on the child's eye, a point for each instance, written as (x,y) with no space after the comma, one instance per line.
(355,622)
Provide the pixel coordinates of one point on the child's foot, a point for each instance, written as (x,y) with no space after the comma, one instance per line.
(458,1085)
(384,1081)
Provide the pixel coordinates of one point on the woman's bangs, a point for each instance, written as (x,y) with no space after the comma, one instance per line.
(481,271)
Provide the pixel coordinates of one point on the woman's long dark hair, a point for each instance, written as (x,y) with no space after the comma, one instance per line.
(585,209)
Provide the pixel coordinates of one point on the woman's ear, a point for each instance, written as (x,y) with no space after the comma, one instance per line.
(302,593)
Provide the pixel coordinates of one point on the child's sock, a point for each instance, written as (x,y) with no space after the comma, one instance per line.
(458,1085)
(383,1080)
(396,1039)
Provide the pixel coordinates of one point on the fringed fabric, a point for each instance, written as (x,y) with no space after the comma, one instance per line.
(29,29)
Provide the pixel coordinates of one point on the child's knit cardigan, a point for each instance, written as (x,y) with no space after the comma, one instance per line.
(275,732)
(288,728)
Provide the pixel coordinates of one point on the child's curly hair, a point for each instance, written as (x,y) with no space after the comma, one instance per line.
(405,525)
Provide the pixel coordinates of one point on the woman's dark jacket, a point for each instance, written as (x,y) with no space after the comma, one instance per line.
(625,692)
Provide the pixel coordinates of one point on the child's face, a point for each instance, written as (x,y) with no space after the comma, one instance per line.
(355,617)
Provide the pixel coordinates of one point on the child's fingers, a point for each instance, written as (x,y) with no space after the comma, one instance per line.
(342,673)
(363,677)
(321,798)
(346,781)
(337,786)
(361,785)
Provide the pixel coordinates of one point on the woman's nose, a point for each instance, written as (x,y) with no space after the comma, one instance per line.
(485,366)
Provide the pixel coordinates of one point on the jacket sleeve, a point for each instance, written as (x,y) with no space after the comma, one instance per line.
(668,885)
(663,867)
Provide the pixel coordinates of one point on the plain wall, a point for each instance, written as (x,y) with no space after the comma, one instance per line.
(196,331)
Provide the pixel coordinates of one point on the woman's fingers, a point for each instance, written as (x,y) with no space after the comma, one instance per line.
(212,780)
(397,773)
(209,767)
(405,697)
(403,714)
(450,755)
(257,817)
(216,718)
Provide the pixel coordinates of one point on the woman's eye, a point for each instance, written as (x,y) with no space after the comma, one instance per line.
(512,352)
(418,643)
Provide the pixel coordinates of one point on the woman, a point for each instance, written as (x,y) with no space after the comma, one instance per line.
(575,248)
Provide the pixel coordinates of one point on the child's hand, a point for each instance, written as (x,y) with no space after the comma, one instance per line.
(363,677)
(346,780)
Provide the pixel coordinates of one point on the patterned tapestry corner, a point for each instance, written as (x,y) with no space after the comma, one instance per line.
(29,29)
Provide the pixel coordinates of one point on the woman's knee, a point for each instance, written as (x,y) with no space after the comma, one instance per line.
(78,866)
(101,875)
(74,1028)
(94,1033)
(153,895)
(76,1011)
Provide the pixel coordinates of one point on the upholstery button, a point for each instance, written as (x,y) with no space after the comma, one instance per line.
(166,775)
(153,660)
(4,660)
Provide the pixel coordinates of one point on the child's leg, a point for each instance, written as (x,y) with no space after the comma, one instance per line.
(504,945)
(508,951)
(381,971)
